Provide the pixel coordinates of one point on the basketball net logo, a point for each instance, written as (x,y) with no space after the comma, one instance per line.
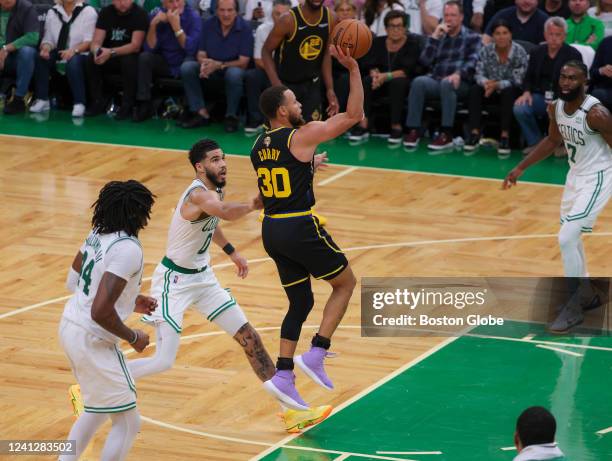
(311,47)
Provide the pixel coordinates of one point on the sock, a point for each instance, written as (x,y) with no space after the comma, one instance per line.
(82,431)
(166,348)
(121,436)
(284,363)
(321,341)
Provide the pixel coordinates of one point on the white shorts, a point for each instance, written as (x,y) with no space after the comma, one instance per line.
(99,368)
(175,291)
(584,197)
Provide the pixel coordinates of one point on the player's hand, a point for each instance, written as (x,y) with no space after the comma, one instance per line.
(511,178)
(241,264)
(141,342)
(320,161)
(257,202)
(334,105)
(145,304)
(343,58)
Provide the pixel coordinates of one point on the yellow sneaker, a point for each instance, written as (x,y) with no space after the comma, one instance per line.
(74,392)
(295,420)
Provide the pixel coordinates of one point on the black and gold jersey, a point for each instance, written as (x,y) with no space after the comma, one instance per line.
(284,181)
(300,56)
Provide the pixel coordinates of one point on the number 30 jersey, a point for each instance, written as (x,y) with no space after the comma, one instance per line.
(587,151)
(117,253)
(284,181)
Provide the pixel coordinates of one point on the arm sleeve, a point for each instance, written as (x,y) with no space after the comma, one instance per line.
(260,38)
(124,259)
(49,36)
(89,23)
(28,39)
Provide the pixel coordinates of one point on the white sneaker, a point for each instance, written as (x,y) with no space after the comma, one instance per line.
(40,105)
(78,110)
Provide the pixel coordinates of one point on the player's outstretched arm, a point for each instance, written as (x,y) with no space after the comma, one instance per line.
(600,120)
(542,150)
(104,314)
(307,138)
(242,266)
(208,202)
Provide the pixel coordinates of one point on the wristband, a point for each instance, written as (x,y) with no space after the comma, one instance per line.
(389,76)
(133,341)
(228,249)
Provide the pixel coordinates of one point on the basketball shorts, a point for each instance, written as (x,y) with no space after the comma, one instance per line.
(308,93)
(301,248)
(177,288)
(99,368)
(584,197)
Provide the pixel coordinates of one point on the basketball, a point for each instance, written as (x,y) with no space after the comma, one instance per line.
(353,36)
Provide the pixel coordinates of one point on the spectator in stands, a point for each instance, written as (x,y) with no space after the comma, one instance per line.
(256,80)
(492,7)
(526,20)
(582,28)
(555,8)
(451,54)
(473,14)
(117,40)
(603,11)
(601,73)
(388,69)
(375,11)
(344,9)
(261,10)
(19,35)
(541,83)
(172,38)
(534,437)
(226,47)
(69,28)
(500,71)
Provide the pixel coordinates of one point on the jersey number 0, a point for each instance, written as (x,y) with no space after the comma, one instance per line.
(271,186)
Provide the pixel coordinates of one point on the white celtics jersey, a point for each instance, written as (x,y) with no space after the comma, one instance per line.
(117,253)
(188,241)
(587,151)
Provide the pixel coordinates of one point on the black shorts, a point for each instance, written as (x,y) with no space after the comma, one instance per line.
(300,248)
(308,93)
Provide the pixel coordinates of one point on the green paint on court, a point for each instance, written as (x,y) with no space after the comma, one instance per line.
(374,153)
(464,399)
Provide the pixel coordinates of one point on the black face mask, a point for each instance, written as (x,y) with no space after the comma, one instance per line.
(567,97)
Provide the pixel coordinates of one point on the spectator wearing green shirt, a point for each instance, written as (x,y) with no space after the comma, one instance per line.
(582,28)
(19,35)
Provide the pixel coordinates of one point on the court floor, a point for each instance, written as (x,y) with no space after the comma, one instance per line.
(395,212)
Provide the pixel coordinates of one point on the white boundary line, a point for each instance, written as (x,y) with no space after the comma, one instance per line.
(557,349)
(331,179)
(364,392)
(604,431)
(508,448)
(396,170)
(358,248)
(408,452)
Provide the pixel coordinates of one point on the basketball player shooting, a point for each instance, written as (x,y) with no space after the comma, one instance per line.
(584,125)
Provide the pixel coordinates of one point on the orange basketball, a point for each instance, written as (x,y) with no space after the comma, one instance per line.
(353,36)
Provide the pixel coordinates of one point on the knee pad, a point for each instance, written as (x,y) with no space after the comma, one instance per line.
(301,302)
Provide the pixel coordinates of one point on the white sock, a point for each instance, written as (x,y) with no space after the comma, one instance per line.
(82,431)
(121,436)
(572,250)
(166,348)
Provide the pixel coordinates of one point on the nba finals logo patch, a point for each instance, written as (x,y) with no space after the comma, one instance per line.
(316,115)
(310,48)
(267,141)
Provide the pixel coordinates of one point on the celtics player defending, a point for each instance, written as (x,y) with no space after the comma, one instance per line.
(184,277)
(584,125)
(284,160)
(105,279)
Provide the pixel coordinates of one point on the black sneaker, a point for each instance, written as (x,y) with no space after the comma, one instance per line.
(358,133)
(503,147)
(195,121)
(472,142)
(15,106)
(395,137)
(231,124)
(125,112)
(97,108)
(143,112)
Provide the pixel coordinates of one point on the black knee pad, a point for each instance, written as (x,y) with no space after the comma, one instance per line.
(301,301)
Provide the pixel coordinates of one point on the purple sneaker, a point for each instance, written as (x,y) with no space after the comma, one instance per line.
(311,363)
(282,386)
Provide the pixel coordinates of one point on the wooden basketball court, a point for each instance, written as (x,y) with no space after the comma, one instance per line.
(211,406)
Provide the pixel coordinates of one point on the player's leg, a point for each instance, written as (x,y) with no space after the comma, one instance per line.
(166,347)
(255,351)
(82,432)
(126,425)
